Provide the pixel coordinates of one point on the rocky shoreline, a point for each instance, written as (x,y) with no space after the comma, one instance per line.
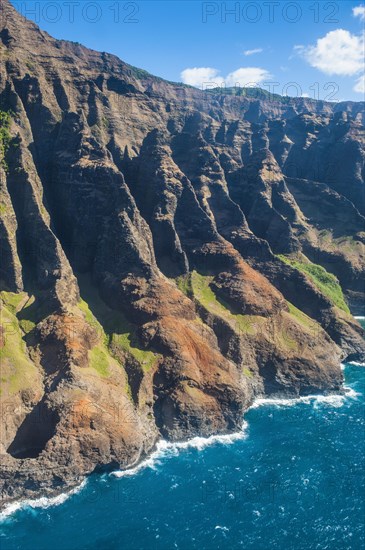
(51,496)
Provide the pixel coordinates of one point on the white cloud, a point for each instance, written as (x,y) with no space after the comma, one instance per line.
(202,76)
(360,85)
(359,11)
(247,76)
(252,52)
(338,52)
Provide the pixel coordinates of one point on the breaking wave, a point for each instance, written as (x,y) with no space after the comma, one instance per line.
(165,449)
(41,502)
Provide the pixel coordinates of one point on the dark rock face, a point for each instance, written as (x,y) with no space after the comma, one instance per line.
(166,256)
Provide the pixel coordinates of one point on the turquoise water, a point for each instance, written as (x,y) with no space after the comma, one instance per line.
(294,479)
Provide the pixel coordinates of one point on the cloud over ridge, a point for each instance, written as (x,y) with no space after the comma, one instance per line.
(202,77)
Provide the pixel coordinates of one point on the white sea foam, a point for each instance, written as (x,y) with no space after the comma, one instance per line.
(166,449)
(150,462)
(335,400)
(274,401)
(355,363)
(350,392)
(359,317)
(41,502)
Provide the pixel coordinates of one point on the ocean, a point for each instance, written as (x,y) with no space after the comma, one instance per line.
(293,479)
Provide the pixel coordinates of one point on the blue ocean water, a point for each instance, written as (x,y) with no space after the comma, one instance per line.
(294,479)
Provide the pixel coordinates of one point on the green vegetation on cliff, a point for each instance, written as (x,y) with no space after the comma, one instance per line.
(116,330)
(125,338)
(203,293)
(5,137)
(23,306)
(326,282)
(183,283)
(12,300)
(17,370)
(303,319)
(99,360)
(99,354)
(91,319)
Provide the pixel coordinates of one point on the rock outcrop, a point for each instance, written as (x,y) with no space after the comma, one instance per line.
(166,256)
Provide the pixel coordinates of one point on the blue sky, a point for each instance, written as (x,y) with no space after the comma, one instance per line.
(316,45)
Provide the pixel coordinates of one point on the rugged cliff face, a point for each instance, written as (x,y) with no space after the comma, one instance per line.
(166,256)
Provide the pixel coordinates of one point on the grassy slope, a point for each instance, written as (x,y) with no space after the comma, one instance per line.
(99,356)
(325,282)
(17,371)
(302,318)
(115,328)
(202,292)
